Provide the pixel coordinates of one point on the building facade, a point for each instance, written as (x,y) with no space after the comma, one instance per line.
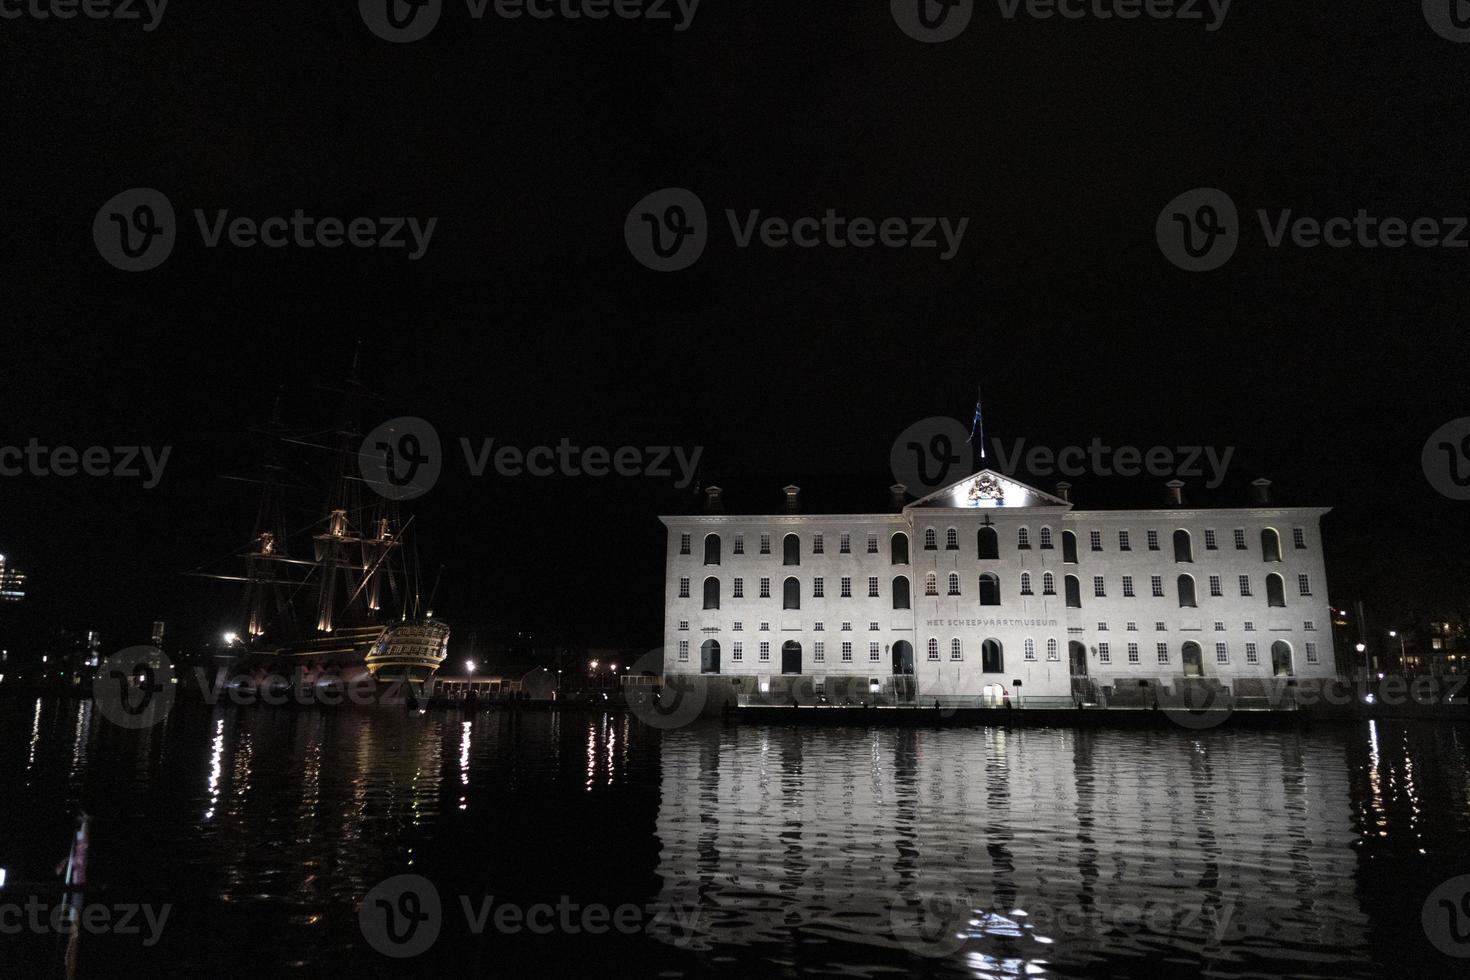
(990,588)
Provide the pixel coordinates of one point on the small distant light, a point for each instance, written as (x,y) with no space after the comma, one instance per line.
(1380,675)
(469,665)
(1367,699)
(2,877)
(231,637)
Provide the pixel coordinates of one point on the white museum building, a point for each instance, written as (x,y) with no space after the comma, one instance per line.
(990,588)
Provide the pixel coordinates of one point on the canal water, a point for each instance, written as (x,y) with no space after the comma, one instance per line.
(316,843)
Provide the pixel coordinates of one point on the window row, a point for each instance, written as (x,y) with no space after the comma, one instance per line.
(987,544)
(898,546)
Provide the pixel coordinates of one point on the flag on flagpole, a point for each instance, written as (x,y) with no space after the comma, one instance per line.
(978,425)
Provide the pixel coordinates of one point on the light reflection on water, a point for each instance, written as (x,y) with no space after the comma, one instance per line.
(965,853)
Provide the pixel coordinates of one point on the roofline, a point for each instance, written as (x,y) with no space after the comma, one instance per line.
(1048,511)
(778,518)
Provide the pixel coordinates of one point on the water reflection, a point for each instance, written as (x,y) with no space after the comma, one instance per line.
(1015,853)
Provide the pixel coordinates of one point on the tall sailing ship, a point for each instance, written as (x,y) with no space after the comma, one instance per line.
(336,601)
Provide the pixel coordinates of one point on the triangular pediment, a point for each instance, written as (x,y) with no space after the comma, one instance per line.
(987,488)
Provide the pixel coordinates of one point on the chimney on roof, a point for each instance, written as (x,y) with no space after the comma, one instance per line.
(1176,492)
(1064,490)
(899,493)
(712,500)
(1261,491)
(793,497)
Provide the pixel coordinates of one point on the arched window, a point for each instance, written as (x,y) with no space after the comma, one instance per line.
(954,583)
(1026,583)
(1074,592)
(1048,584)
(951,540)
(1030,653)
(1281,665)
(988,543)
(711,549)
(711,593)
(1186,592)
(1270,545)
(1023,538)
(929,540)
(931,583)
(1046,538)
(933,648)
(989,590)
(956,652)
(709,657)
(1051,650)
(1183,547)
(791,550)
(898,548)
(1275,590)
(791,594)
(992,657)
(900,592)
(1069,547)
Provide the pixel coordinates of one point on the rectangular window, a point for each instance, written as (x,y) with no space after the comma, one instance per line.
(1132,626)
(1215,586)
(1303,585)
(1299,537)
(872,544)
(738,626)
(739,544)
(1222,653)
(1128,586)
(1160,626)
(1311,653)
(1219,626)
(1239,539)
(683,624)
(1156,582)
(817,588)
(846,587)
(1250,627)
(1153,541)
(1210,543)
(737,651)
(765,544)
(819,627)
(873,652)
(1245,585)
(1102,627)
(817,545)
(1163,649)
(1104,653)
(872,627)
(844,544)
(740,588)
(1123,543)
(765,627)
(1096,540)
(819,652)
(1133,653)
(683,651)
(846,627)
(847,653)
(683,544)
(683,588)
(872,587)
(1310,626)
(765,651)
(1251,656)
(1099,587)
(765,588)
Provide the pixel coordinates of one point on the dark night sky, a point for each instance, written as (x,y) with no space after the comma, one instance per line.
(529,321)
